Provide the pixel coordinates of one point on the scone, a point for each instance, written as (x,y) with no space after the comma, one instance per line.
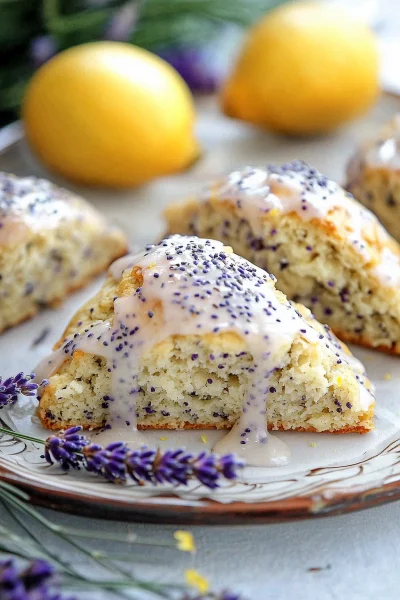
(373,176)
(189,335)
(51,242)
(326,250)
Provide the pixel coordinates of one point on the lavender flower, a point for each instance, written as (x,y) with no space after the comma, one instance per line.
(208,468)
(116,462)
(42,49)
(19,384)
(155,467)
(109,461)
(35,582)
(66,448)
(179,466)
(123,22)
(202,69)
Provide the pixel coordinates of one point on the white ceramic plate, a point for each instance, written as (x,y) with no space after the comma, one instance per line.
(328,474)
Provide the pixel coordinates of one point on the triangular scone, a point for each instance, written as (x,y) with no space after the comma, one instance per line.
(326,250)
(373,176)
(199,336)
(51,242)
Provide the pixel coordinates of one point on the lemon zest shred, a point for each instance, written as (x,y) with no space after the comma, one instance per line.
(197,581)
(185,540)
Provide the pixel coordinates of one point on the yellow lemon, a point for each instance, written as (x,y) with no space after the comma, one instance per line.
(111,114)
(306,68)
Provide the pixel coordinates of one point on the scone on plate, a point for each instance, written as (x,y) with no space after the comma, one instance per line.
(51,242)
(373,176)
(326,250)
(189,335)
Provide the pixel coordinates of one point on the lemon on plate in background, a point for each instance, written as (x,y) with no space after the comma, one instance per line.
(306,68)
(111,114)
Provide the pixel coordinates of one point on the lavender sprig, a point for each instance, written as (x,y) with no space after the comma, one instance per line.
(108,461)
(45,571)
(38,581)
(116,462)
(66,448)
(34,582)
(179,466)
(19,384)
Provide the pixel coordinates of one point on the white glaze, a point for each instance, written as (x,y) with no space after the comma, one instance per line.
(192,286)
(125,262)
(261,450)
(385,152)
(31,204)
(298,188)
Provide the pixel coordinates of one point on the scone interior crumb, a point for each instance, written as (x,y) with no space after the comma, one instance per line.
(202,380)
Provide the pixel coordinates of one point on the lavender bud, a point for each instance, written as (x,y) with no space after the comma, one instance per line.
(66,448)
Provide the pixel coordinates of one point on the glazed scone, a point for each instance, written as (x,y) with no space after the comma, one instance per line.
(51,242)
(373,176)
(326,250)
(190,335)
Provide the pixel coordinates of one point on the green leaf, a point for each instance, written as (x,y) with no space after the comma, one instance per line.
(20,21)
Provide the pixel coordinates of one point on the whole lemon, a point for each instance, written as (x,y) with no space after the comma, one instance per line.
(306,68)
(109,113)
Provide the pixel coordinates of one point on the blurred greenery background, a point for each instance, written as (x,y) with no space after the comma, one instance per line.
(196,36)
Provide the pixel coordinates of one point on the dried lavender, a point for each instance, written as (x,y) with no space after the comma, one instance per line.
(66,448)
(154,466)
(108,461)
(179,467)
(34,582)
(19,384)
(116,462)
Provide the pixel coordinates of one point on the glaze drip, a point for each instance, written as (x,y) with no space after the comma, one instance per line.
(190,286)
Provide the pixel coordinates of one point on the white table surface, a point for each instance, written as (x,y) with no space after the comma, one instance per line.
(358,554)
